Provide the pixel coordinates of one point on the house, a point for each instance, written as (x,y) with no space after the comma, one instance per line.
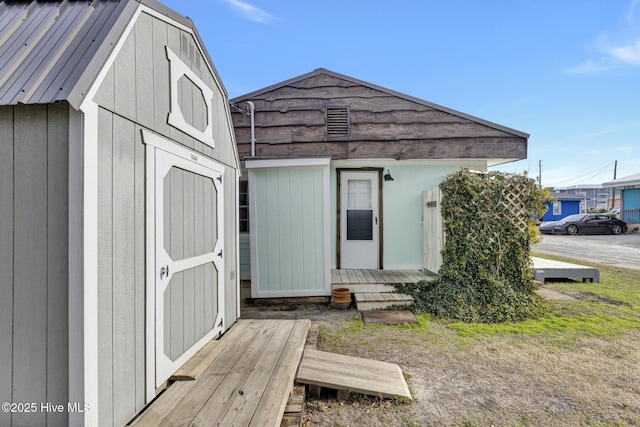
(629,187)
(118,200)
(564,205)
(336,168)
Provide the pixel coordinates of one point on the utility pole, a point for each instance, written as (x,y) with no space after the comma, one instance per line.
(613,189)
(540,174)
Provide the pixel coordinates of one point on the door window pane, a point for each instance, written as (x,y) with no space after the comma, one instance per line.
(359,224)
(359,194)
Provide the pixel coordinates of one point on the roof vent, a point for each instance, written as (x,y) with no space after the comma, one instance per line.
(338,123)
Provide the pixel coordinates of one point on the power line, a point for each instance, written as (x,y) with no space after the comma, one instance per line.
(589,175)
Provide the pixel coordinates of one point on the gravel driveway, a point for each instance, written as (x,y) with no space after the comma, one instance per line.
(621,251)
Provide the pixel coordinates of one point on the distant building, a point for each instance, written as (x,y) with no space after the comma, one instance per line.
(563,206)
(630,197)
(594,196)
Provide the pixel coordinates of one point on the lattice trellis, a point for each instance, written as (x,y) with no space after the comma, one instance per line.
(514,200)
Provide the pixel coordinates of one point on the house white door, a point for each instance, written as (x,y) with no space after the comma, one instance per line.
(359,222)
(188,256)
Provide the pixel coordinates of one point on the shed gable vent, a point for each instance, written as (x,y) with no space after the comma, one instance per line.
(338,123)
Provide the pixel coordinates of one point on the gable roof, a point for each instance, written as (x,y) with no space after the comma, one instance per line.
(53,50)
(381,89)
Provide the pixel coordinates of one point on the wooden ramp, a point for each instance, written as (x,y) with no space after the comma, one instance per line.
(545,269)
(353,374)
(245,382)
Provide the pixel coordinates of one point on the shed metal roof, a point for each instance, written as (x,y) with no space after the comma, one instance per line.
(53,50)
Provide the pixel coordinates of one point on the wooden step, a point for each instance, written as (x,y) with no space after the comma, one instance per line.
(352,375)
(379,300)
(364,287)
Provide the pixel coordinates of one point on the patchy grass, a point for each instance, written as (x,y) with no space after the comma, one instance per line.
(579,365)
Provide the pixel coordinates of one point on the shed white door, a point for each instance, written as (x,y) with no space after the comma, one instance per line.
(189,299)
(359,225)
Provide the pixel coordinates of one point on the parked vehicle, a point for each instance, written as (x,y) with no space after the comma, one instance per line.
(585,224)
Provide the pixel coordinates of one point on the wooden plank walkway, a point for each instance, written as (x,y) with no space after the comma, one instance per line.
(353,374)
(247,383)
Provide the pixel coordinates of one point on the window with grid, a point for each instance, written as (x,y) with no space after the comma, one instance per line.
(243,205)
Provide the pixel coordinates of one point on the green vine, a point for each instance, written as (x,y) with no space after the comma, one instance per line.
(485,275)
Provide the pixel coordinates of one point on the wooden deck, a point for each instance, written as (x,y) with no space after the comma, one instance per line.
(362,276)
(373,289)
(247,381)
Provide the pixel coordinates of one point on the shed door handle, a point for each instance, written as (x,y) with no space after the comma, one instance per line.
(164,271)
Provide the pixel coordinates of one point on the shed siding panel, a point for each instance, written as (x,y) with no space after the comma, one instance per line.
(276,206)
(105,96)
(121,268)
(105,267)
(125,78)
(30,262)
(33,260)
(144,70)
(57,260)
(6,259)
(198,248)
(139,268)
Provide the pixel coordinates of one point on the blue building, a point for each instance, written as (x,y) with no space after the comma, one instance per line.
(565,205)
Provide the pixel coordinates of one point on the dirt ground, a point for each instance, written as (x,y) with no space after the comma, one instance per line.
(508,380)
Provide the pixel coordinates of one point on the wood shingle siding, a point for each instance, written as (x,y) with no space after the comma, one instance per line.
(292,119)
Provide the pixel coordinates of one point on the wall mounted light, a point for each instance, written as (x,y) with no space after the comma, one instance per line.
(387,176)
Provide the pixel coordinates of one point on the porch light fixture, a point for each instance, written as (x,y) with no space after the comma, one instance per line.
(387,176)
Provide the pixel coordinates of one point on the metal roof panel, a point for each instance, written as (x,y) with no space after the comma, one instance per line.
(46,47)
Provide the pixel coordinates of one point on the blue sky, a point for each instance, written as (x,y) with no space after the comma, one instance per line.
(566,72)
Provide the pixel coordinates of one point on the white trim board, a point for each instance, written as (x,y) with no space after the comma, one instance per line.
(179,69)
(90,260)
(286,163)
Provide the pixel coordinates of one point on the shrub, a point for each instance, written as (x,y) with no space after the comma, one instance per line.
(485,274)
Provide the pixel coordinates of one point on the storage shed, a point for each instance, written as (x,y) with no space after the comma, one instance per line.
(118,206)
(336,170)
(564,205)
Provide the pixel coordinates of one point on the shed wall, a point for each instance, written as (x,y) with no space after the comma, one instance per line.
(33,260)
(137,87)
(134,95)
